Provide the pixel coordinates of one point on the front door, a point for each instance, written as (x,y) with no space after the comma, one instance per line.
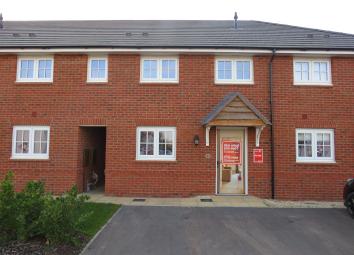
(231,161)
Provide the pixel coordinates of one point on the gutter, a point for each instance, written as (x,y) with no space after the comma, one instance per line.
(271,120)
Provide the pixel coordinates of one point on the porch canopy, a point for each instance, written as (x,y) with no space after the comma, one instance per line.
(235,110)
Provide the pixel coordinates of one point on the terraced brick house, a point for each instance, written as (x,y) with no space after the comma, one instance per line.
(177,108)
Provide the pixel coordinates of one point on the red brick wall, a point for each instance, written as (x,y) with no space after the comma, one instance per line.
(123,104)
(313,107)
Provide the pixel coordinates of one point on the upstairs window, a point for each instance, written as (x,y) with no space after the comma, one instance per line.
(312,72)
(97,70)
(233,71)
(315,145)
(35,69)
(159,70)
(30,142)
(156,143)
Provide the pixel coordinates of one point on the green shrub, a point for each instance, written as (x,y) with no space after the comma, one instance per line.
(35,213)
(8,209)
(61,220)
(31,203)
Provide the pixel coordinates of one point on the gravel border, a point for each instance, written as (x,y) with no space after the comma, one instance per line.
(301,204)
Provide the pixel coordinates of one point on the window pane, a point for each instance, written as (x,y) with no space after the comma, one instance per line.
(26,69)
(301,151)
(143,136)
(319,139)
(150,149)
(19,147)
(151,137)
(162,138)
(302,71)
(308,151)
(168,69)
(308,139)
(162,150)
(22,141)
(143,149)
(94,64)
(327,151)
(44,68)
(243,70)
(150,69)
(300,138)
(102,64)
(168,149)
(168,137)
(327,139)
(304,144)
(44,146)
(98,68)
(224,70)
(37,147)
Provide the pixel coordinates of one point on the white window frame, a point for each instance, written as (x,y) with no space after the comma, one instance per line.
(156,155)
(233,79)
(30,154)
(159,78)
(96,80)
(35,69)
(314,158)
(311,81)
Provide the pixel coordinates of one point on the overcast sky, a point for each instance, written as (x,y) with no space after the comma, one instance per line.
(335,15)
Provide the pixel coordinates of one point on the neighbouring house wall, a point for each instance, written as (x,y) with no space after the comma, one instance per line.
(313,107)
(124,103)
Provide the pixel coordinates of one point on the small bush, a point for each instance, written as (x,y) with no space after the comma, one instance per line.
(35,213)
(31,202)
(8,210)
(61,220)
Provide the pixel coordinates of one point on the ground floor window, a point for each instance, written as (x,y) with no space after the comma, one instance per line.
(156,143)
(315,145)
(30,142)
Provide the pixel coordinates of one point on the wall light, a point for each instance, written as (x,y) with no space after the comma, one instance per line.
(196,139)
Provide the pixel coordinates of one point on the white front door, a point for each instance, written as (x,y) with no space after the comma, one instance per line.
(231,161)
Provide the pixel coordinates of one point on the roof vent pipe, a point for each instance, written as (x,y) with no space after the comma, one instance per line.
(235,20)
(1,22)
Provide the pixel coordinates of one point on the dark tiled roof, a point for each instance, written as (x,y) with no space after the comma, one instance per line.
(169,34)
(228,99)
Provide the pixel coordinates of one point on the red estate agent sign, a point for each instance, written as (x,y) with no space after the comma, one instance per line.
(258,155)
(231,152)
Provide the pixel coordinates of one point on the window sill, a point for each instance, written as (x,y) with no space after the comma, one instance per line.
(160,82)
(313,84)
(316,162)
(29,159)
(234,83)
(34,82)
(156,161)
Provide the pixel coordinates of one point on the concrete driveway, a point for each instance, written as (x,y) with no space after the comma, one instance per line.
(181,230)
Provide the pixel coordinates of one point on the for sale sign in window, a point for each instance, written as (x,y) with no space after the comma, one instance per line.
(231,152)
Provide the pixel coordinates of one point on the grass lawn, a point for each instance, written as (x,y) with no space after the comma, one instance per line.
(101,213)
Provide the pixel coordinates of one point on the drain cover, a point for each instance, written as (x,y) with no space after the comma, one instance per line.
(139,200)
(206,200)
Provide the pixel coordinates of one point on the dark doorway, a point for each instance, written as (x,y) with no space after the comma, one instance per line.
(93,154)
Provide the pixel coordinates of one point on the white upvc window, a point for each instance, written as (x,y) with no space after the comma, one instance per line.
(159,69)
(312,72)
(233,71)
(97,69)
(30,142)
(35,69)
(315,145)
(156,143)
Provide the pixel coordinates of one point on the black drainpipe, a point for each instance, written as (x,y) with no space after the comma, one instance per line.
(271,120)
